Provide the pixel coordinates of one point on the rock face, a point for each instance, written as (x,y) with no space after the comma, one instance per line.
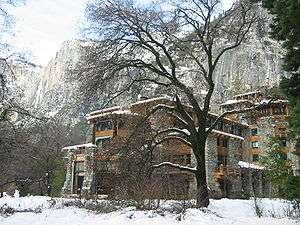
(254,64)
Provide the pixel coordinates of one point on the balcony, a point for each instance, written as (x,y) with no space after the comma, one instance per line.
(223,172)
(104,133)
(79,157)
(252,151)
(255,138)
(223,151)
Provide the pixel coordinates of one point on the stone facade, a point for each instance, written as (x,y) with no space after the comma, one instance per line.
(68,184)
(88,187)
(231,170)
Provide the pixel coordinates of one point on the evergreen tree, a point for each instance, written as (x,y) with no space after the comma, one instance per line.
(285,28)
(280,173)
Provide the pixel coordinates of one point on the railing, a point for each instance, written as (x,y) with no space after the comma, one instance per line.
(223,172)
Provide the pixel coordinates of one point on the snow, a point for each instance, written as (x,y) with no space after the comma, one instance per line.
(250,165)
(235,101)
(117,112)
(226,134)
(79,146)
(103,110)
(266,101)
(221,212)
(151,100)
(247,93)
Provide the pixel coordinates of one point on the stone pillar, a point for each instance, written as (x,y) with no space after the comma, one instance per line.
(90,134)
(234,156)
(68,184)
(211,156)
(88,187)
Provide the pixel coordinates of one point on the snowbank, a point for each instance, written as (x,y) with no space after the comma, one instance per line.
(224,211)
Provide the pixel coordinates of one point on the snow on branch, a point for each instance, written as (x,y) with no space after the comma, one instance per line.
(174,130)
(173,165)
(184,141)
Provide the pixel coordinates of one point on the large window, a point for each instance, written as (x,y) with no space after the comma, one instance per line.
(103,142)
(283,142)
(79,167)
(255,157)
(182,159)
(254,132)
(222,142)
(222,160)
(225,143)
(104,125)
(254,144)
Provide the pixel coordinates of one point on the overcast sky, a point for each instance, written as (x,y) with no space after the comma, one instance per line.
(42,26)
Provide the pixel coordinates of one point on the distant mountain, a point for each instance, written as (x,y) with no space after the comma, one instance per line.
(255,64)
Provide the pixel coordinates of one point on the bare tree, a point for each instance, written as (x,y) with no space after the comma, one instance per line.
(155,44)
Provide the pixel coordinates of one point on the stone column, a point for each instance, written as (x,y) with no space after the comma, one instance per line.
(68,184)
(211,156)
(88,187)
(90,134)
(234,156)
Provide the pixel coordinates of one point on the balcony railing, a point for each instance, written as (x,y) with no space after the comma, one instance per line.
(223,172)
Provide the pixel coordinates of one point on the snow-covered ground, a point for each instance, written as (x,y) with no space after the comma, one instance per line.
(45,211)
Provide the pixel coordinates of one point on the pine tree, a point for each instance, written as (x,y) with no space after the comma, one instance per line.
(285,28)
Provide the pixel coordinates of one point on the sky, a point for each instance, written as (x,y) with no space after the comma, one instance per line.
(42,26)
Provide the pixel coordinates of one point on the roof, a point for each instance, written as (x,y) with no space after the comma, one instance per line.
(268,101)
(227,134)
(247,93)
(79,146)
(103,110)
(151,100)
(229,120)
(116,112)
(235,101)
(250,165)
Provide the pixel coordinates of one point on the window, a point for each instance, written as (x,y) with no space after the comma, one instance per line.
(254,132)
(283,156)
(222,160)
(104,125)
(182,159)
(225,143)
(188,159)
(103,142)
(283,142)
(254,144)
(79,167)
(220,126)
(222,142)
(255,157)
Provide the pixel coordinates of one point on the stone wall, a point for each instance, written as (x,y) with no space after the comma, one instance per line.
(88,187)
(211,165)
(68,184)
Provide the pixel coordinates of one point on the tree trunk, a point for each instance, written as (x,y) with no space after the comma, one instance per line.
(202,191)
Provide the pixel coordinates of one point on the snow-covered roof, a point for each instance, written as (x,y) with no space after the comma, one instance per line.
(226,134)
(278,101)
(151,100)
(230,120)
(247,93)
(235,101)
(79,146)
(104,110)
(250,165)
(117,112)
